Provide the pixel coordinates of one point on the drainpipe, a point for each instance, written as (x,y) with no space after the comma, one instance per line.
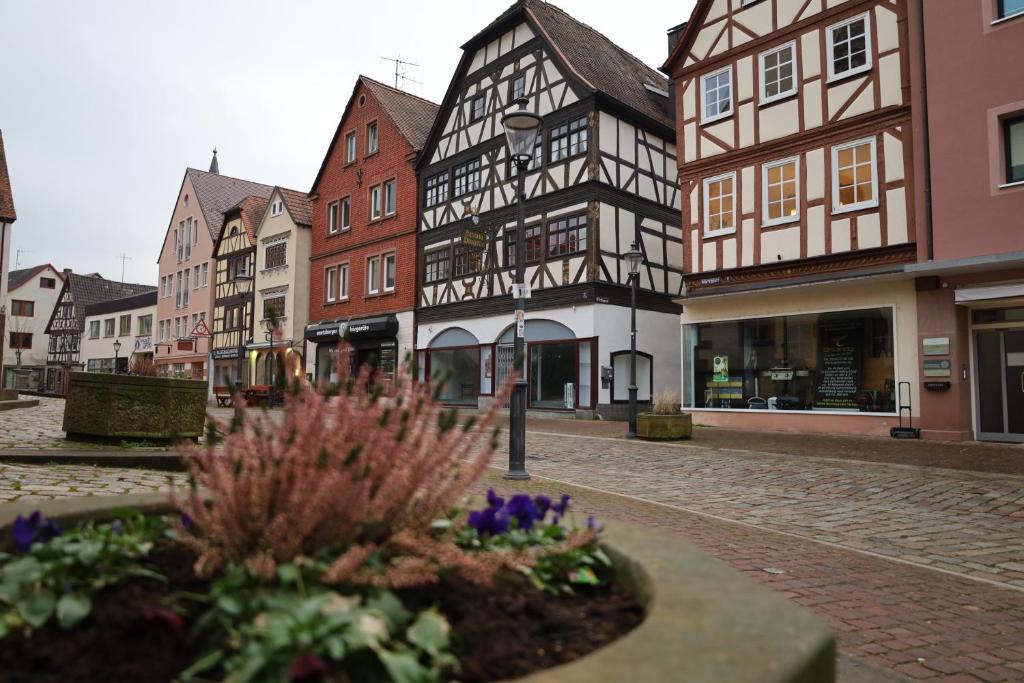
(929,245)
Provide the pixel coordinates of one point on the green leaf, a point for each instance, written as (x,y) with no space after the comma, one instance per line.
(24,570)
(601,557)
(391,608)
(335,648)
(37,608)
(72,608)
(3,626)
(584,575)
(229,604)
(402,667)
(288,573)
(204,663)
(90,551)
(430,632)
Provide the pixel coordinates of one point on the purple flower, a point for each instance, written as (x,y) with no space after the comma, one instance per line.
(34,529)
(117,526)
(543,504)
(489,521)
(562,505)
(186,521)
(594,524)
(494,500)
(525,512)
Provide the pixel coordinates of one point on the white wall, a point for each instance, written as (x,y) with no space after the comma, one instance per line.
(103,347)
(44,300)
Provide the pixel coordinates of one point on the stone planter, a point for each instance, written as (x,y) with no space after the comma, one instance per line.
(705,622)
(114,407)
(664,427)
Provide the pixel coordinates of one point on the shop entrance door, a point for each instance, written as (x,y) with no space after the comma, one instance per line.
(504,356)
(1000,362)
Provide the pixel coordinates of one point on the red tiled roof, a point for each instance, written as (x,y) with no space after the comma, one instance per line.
(299,206)
(218,193)
(7,212)
(412,115)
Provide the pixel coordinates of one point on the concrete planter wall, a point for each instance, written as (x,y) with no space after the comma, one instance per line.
(705,622)
(664,427)
(102,406)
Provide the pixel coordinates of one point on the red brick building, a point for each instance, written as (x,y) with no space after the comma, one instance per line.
(365,197)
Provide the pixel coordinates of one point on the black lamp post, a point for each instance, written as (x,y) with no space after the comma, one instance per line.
(242,284)
(272,361)
(521,130)
(117,349)
(633,258)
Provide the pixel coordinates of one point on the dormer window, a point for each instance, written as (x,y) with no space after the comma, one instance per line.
(716,95)
(277,208)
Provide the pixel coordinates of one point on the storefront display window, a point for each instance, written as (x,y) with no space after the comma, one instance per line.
(836,361)
(553,375)
(459,369)
(327,363)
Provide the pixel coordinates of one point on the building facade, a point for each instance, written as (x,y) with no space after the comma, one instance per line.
(283,243)
(603,176)
(66,326)
(362,283)
(7,217)
(31,295)
(234,255)
(186,267)
(970,275)
(119,334)
(796,160)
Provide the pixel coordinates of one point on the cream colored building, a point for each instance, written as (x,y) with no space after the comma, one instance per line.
(31,295)
(126,324)
(283,243)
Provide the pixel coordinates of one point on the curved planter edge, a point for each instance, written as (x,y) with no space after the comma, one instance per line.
(705,622)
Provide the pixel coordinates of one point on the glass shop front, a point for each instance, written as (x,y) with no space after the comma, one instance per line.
(839,361)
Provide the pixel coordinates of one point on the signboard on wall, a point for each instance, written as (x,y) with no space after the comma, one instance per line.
(840,355)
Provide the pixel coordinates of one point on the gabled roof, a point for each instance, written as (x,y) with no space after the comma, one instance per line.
(218,193)
(87,290)
(298,205)
(16,278)
(7,213)
(413,116)
(250,210)
(127,303)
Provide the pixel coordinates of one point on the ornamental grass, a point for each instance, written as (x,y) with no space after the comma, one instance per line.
(365,478)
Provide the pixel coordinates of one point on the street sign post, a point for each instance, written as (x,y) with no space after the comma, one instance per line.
(520,291)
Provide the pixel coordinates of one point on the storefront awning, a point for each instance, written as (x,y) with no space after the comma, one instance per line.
(968,295)
(325,332)
(365,328)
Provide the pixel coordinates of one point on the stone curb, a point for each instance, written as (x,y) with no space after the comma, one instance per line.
(168,461)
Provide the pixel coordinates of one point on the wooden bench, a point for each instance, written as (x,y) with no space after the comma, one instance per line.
(223,395)
(257,394)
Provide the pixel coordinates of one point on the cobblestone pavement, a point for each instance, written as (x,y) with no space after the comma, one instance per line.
(41,482)
(36,427)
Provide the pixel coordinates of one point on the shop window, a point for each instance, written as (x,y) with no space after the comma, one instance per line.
(837,361)
(459,371)
(620,376)
(552,373)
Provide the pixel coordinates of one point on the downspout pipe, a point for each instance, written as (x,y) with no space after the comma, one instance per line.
(929,242)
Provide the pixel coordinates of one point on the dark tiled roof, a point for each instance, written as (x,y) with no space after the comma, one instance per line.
(87,290)
(16,278)
(7,212)
(605,66)
(218,193)
(602,65)
(412,115)
(299,206)
(127,303)
(252,210)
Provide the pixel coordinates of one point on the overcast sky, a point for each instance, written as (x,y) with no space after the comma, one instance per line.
(103,104)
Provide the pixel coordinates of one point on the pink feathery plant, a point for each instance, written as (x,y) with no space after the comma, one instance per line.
(361,474)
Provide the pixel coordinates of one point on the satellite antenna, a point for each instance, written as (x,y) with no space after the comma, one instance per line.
(124,257)
(401,69)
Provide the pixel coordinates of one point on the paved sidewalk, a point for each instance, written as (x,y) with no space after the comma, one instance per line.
(43,482)
(37,427)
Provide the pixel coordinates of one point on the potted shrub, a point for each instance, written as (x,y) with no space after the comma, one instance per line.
(665,422)
(338,545)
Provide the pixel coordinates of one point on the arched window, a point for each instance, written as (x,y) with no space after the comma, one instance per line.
(620,376)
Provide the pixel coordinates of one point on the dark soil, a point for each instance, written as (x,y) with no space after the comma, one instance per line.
(122,641)
(507,630)
(512,629)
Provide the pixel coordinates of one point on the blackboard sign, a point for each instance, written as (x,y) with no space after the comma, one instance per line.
(840,352)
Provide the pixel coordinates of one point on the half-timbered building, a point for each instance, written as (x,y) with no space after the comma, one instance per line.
(795,158)
(234,254)
(603,176)
(67,321)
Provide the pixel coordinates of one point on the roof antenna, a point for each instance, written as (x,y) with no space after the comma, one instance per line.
(17,257)
(125,257)
(400,70)
(214,166)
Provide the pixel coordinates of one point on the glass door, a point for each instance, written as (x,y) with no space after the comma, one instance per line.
(1000,365)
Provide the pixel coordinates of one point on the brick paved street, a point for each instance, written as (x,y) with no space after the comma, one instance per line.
(38,427)
(40,482)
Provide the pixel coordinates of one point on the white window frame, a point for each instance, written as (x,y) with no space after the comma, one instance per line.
(342,281)
(858,206)
(206,275)
(372,140)
(333,220)
(704,118)
(791,46)
(377,209)
(351,147)
(830,48)
(276,208)
(373,278)
(343,219)
(707,204)
(331,284)
(393,259)
(765,220)
(390,187)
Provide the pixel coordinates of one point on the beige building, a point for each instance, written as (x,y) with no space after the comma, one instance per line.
(31,295)
(283,242)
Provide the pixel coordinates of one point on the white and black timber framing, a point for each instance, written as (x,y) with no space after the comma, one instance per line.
(232,313)
(624,184)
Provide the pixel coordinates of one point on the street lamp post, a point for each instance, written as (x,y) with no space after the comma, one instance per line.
(117,349)
(273,363)
(242,284)
(633,258)
(521,130)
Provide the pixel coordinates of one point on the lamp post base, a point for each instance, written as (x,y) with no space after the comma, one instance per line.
(517,476)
